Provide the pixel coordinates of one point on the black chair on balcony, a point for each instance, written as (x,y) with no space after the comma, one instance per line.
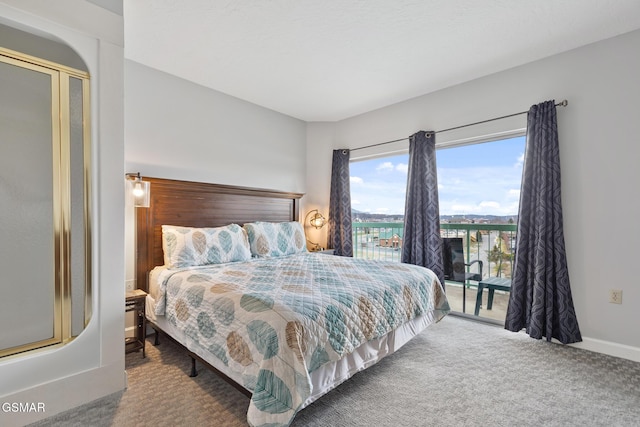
(455,267)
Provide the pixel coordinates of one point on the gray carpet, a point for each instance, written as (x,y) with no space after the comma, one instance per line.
(457,373)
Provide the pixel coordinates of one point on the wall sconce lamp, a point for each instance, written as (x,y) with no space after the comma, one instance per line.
(140,190)
(315,219)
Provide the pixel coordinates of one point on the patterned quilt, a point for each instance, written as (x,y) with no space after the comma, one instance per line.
(277,320)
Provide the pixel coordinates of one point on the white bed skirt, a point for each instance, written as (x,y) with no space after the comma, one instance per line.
(329,375)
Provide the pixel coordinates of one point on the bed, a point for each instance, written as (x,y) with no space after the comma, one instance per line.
(229,278)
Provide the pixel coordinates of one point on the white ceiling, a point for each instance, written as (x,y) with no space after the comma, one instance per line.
(326,60)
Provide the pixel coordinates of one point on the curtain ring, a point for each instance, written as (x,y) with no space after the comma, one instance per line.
(345,152)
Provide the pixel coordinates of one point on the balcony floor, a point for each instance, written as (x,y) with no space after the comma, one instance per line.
(498,310)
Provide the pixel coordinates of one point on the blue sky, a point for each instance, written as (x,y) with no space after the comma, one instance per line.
(482,179)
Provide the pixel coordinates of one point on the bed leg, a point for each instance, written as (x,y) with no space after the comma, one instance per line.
(194,372)
(156,340)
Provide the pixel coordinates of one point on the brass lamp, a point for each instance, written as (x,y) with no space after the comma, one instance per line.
(140,190)
(315,219)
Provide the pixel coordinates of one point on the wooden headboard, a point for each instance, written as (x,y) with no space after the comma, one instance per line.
(196,204)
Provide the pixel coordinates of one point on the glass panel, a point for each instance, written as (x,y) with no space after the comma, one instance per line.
(78,276)
(27,252)
(479,187)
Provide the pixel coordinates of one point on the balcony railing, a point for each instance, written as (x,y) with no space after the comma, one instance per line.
(375,240)
(493,244)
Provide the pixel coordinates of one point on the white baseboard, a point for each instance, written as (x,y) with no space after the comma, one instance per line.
(610,348)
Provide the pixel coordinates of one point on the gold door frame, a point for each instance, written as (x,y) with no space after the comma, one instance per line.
(61,137)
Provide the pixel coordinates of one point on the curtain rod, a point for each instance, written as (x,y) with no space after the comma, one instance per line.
(562,103)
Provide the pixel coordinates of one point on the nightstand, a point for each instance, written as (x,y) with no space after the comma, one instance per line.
(134,301)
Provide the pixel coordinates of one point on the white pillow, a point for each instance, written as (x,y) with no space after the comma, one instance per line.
(189,246)
(275,239)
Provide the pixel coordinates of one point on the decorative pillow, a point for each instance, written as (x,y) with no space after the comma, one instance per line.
(270,240)
(189,247)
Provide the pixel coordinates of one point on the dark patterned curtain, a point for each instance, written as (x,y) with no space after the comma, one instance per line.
(340,205)
(421,241)
(540,299)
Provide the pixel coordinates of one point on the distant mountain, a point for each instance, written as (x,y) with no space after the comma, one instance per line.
(492,219)
(367,216)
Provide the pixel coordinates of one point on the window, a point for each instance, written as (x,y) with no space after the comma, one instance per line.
(479,190)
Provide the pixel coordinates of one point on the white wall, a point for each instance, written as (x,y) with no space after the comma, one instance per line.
(180,130)
(320,137)
(177,129)
(92,365)
(599,155)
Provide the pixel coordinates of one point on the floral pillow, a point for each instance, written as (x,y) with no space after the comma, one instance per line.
(270,240)
(189,246)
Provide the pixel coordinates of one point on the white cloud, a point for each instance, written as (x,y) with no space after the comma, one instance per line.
(355,202)
(356,180)
(519,161)
(513,194)
(513,207)
(457,208)
(486,207)
(401,167)
(489,204)
(385,167)
(382,210)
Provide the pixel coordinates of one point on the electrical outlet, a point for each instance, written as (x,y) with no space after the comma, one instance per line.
(615,296)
